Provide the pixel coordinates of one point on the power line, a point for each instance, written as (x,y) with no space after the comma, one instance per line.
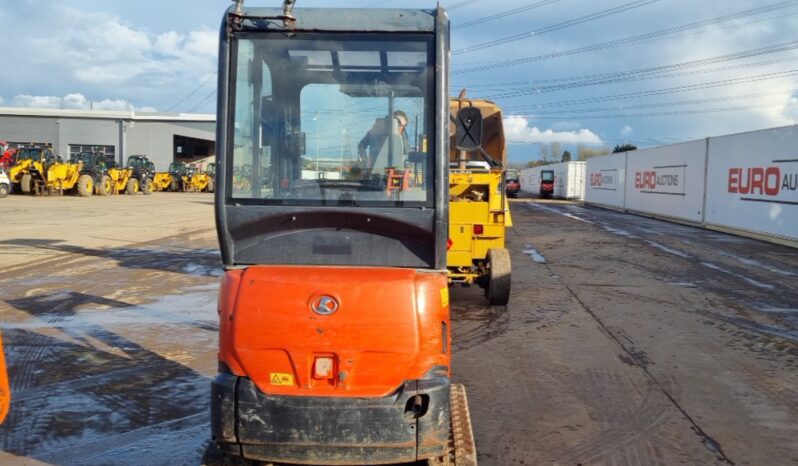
(671,90)
(204,101)
(775,48)
(461,3)
(657,114)
(653,105)
(543,90)
(190,94)
(557,27)
(514,11)
(660,34)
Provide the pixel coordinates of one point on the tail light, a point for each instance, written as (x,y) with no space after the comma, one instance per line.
(449,244)
(479,229)
(323,367)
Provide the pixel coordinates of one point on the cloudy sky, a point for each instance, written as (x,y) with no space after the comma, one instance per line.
(648,72)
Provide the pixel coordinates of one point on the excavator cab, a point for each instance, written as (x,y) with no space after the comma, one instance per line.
(331,210)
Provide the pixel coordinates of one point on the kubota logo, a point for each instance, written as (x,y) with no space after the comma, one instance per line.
(324,305)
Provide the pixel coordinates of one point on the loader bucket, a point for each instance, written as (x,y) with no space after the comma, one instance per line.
(5,392)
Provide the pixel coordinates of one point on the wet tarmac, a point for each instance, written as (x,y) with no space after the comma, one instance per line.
(632,341)
(627,341)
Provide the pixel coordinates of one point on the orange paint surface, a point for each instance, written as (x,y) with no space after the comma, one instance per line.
(391,325)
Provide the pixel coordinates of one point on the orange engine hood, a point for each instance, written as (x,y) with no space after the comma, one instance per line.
(391,325)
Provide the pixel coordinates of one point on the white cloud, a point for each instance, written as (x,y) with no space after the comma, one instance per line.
(98,53)
(791,109)
(626,130)
(517,130)
(565,126)
(74,101)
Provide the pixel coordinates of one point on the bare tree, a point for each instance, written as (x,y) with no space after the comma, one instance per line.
(584,152)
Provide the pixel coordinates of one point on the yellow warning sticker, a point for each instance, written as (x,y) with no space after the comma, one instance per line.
(444,297)
(281,378)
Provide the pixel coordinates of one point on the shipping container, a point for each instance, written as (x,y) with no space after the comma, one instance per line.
(569,180)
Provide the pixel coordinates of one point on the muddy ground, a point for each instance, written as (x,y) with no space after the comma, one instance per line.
(628,341)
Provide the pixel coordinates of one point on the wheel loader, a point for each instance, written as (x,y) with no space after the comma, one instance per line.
(335,334)
(478,208)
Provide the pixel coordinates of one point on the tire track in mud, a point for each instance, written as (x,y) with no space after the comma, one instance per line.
(710,443)
(667,398)
(630,425)
(78,383)
(76,453)
(57,416)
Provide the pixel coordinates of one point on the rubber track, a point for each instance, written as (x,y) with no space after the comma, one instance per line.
(465,449)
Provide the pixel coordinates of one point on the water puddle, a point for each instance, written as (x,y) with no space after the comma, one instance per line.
(534,254)
(199,270)
(197,304)
(667,249)
(758,264)
(751,281)
(617,231)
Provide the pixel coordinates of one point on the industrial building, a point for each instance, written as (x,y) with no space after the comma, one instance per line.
(164,137)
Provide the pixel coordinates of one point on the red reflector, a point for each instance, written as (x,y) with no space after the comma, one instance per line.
(479,229)
(449,243)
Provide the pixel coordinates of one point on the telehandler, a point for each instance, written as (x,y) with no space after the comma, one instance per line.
(99,176)
(26,157)
(39,171)
(142,175)
(335,336)
(478,208)
(196,180)
(174,179)
(211,171)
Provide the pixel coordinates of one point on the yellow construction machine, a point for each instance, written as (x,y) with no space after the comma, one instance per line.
(99,176)
(196,180)
(39,171)
(174,179)
(27,158)
(478,208)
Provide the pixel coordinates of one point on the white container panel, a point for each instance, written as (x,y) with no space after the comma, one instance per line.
(752,182)
(529,178)
(568,179)
(605,182)
(668,181)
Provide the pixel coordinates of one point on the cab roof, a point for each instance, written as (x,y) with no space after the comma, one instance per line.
(341,19)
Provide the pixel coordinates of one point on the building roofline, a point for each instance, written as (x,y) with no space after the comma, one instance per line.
(106,114)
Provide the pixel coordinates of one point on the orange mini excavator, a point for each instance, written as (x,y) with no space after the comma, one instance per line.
(5,391)
(334,334)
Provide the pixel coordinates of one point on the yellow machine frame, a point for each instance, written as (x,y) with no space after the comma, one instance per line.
(478,208)
(55,177)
